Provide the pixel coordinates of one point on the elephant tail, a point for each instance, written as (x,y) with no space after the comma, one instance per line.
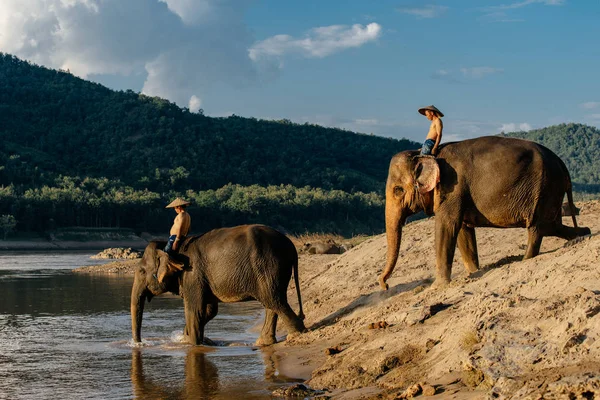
(571,205)
(569,193)
(296,281)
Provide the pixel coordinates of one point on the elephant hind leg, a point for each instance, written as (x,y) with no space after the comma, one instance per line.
(267,335)
(292,322)
(535,236)
(570,233)
(467,245)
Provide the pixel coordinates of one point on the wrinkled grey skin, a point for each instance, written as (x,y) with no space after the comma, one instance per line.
(488,182)
(248,262)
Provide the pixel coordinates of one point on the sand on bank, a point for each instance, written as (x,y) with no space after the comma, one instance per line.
(515,329)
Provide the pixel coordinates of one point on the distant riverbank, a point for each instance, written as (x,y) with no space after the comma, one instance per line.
(76,238)
(24,245)
(42,244)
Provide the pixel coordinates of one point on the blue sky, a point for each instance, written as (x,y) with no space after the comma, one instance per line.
(360,65)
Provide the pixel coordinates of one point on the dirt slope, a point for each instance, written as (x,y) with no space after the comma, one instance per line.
(516,329)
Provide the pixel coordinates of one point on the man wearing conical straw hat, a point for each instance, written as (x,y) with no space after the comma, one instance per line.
(181,225)
(434,136)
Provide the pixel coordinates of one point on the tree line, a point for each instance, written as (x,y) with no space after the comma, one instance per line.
(103,203)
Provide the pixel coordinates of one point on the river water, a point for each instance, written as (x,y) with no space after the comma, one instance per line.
(66,335)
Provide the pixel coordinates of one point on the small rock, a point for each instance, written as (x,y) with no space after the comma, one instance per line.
(430,344)
(427,390)
(117,253)
(574,341)
(298,390)
(411,392)
(333,350)
(378,325)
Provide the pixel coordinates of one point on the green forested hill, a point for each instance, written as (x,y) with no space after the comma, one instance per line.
(73,152)
(65,125)
(579,147)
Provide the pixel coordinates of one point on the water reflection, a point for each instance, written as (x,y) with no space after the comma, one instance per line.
(164,378)
(201,378)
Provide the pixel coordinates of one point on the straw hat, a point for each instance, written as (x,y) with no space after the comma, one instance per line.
(178,202)
(432,108)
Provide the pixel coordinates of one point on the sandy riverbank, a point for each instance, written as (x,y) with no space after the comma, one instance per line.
(516,329)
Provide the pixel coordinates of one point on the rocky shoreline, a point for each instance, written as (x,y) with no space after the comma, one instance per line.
(124,267)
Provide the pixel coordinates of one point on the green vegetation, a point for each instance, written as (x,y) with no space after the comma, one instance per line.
(7,224)
(76,153)
(579,147)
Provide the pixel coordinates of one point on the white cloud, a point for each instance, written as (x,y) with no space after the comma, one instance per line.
(441,73)
(590,105)
(513,127)
(500,13)
(453,76)
(525,3)
(318,42)
(366,121)
(593,117)
(445,75)
(192,11)
(500,16)
(427,11)
(183,46)
(194,104)
(480,72)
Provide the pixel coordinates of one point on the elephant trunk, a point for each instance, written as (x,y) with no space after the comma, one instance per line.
(138,298)
(394,219)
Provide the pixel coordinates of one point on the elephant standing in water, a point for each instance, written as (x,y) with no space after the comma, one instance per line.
(249,262)
(485,182)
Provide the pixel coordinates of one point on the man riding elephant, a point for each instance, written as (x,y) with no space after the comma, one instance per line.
(484,182)
(178,232)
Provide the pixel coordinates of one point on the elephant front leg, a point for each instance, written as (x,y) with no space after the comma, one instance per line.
(467,245)
(195,319)
(446,234)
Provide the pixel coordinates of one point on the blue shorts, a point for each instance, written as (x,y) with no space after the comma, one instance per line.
(427,147)
(169,246)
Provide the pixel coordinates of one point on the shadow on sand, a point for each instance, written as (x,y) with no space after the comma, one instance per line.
(367,300)
(497,264)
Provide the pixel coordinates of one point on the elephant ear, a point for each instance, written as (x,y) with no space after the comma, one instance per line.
(163,259)
(427,174)
(167,266)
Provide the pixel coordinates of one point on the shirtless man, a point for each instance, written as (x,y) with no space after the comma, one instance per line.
(181,225)
(178,232)
(434,136)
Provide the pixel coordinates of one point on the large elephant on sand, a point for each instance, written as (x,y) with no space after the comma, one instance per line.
(249,262)
(489,182)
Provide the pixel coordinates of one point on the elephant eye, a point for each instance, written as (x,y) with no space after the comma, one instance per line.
(398,190)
